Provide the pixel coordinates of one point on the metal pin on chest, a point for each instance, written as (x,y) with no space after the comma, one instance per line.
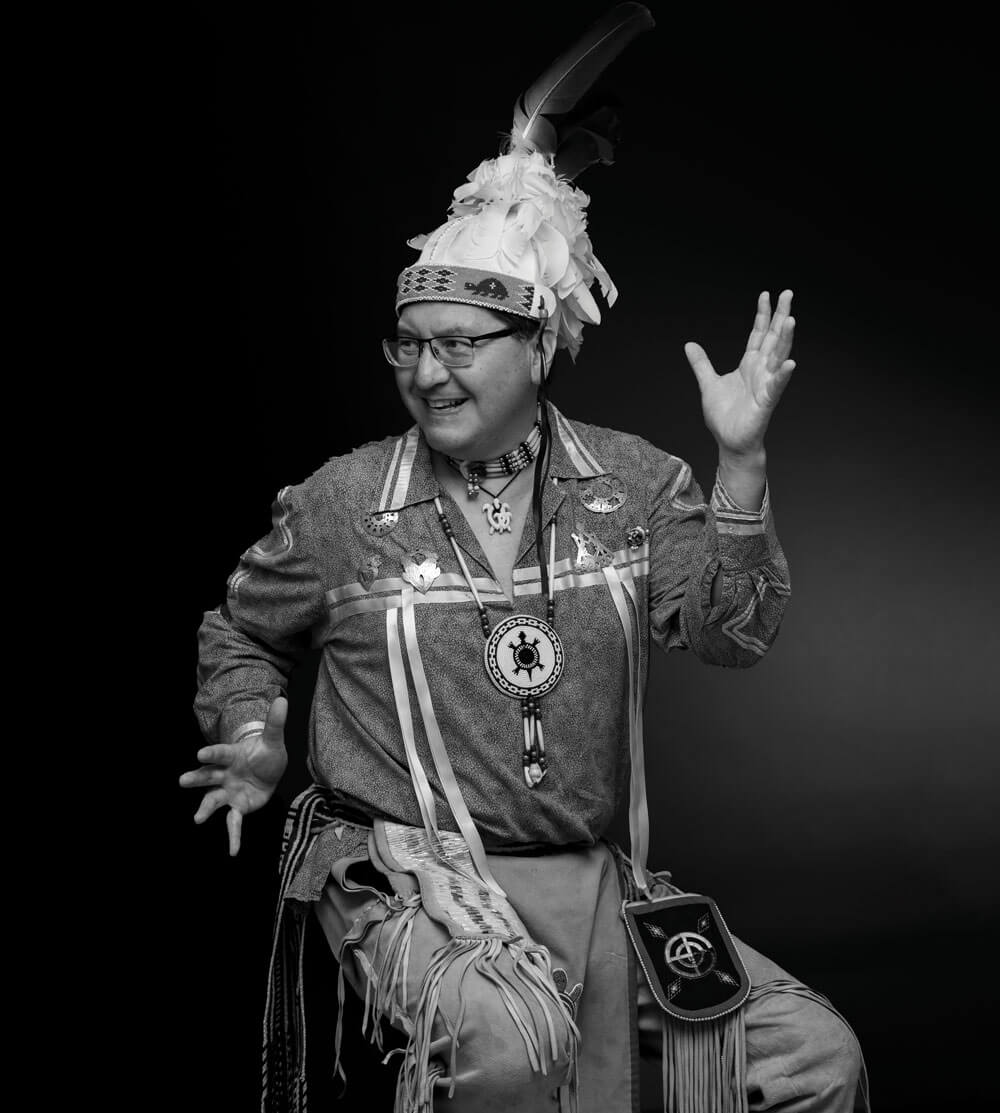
(591,555)
(369,570)
(604,495)
(421,569)
(381,523)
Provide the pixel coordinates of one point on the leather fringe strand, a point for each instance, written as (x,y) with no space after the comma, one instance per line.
(418,1074)
(704,1065)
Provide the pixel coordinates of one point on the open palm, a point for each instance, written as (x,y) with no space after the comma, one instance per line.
(242,774)
(738,406)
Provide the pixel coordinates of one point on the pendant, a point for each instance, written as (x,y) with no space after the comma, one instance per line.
(524,657)
(498,516)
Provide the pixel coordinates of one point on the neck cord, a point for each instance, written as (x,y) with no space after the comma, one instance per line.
(550,606)
(538,481)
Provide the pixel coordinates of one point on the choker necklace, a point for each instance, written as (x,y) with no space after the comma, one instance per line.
(510,463)
(523,656)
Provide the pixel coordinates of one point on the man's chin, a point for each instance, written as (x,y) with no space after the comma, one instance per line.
(449,442)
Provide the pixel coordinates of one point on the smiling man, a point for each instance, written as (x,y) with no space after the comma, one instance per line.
(465,410)
(485,589)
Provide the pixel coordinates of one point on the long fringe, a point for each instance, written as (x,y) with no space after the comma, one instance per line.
(704,1065)
(531,980)
(380,998)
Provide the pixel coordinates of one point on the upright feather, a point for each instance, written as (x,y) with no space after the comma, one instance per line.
(558,90)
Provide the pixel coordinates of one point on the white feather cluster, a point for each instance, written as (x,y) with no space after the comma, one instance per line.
(516,216)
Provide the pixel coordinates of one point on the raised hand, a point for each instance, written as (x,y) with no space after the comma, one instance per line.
(738,406)
(246,772)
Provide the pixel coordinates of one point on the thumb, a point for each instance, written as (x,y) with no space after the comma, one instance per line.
(274,728)
(700,364)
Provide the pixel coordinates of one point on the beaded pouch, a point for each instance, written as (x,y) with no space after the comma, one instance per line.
(687,955)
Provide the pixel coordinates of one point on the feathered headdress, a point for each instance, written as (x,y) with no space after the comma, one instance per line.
(516,235)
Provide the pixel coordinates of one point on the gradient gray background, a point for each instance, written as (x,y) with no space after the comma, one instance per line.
(838,799)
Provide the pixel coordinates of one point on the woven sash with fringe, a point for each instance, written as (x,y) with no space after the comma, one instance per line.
(283,1081)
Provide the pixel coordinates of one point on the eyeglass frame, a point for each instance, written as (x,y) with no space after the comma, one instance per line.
(422,340)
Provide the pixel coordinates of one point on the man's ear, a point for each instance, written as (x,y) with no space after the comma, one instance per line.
(547,341)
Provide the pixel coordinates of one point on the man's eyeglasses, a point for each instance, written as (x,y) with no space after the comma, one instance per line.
(452,351)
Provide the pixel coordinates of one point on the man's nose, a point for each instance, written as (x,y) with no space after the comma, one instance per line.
(430,372)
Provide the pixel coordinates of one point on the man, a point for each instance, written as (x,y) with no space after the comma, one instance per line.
(484,589)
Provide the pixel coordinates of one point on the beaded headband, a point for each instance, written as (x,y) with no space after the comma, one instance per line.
(471,286)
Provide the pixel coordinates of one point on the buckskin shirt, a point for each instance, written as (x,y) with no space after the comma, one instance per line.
(334,567)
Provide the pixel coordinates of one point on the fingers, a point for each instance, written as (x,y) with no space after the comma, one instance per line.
(778,343)
(220,754)
(234,822)
(202,778)
(210,804)
(760,322)
(779,380)
(700,364)
(776,328)
(274,728)
(784,344)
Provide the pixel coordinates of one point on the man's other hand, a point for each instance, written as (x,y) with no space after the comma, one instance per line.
(246,772)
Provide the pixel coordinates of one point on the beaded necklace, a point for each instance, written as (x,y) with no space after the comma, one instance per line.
(520,644)
(510,463)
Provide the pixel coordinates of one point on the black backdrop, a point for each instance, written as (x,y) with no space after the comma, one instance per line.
(837,800)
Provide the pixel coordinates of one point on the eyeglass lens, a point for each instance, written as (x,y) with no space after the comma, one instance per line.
(453,351)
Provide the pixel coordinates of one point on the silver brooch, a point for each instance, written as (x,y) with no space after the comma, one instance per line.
(421,569)
(604,495)
(369,570)
(637,536)
(591,555)
(380,524)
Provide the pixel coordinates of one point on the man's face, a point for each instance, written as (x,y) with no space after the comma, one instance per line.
(497,399)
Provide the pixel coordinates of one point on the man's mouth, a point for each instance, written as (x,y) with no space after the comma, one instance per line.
(444,405)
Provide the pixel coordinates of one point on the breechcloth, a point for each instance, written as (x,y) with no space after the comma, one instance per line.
(800,1054)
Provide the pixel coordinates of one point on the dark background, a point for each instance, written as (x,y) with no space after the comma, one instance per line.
(837,800)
